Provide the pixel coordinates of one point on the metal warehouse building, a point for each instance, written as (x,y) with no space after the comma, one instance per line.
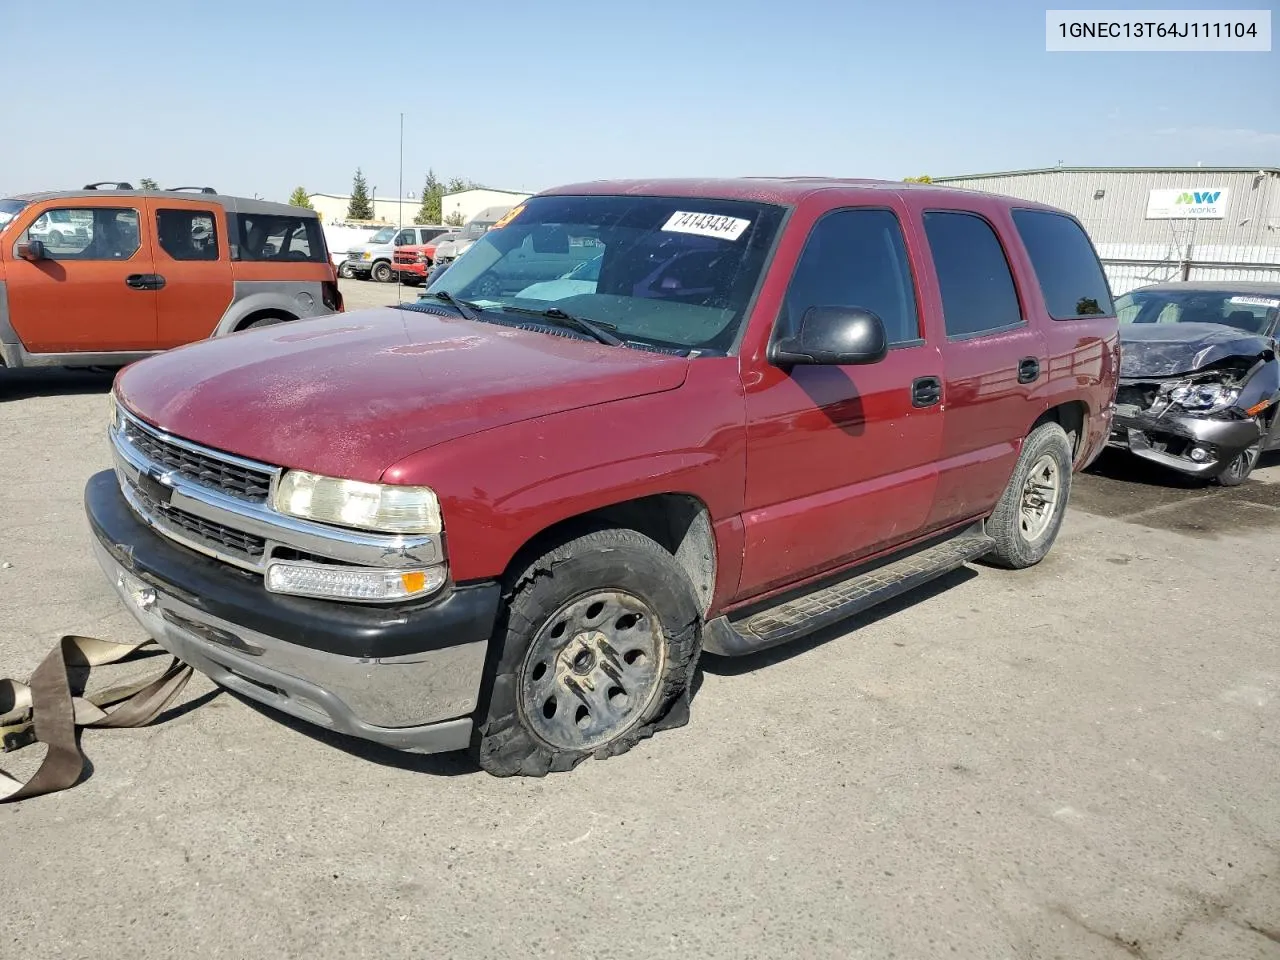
(1161,223)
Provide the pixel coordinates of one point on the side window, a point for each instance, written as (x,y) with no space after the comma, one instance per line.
(855,258)
(188,234)
(429,235)
(405,237)
(1067,269)
(978,294)
(274,237)
(89,233)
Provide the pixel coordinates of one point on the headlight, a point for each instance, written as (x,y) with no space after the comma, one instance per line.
(366,255)
(1204,397)
(352,503)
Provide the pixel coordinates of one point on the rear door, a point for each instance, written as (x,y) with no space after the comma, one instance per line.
(994,360)
(194,263)
(92,293)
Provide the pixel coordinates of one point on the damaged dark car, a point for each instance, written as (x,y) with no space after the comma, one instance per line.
(1199,377)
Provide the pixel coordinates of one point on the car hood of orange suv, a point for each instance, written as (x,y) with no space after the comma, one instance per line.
(352,394)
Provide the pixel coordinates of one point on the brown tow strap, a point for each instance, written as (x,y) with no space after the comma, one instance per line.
(50,708)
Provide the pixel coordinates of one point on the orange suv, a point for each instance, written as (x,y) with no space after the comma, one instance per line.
(106,275)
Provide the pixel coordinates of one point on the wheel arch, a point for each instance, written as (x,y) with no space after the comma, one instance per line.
(679,522)
(1072,416)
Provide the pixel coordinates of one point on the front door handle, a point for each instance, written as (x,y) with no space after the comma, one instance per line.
(926,391)
(144,281)
(1028,370)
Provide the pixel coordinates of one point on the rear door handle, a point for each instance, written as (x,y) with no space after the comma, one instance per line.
(144,281)
(926,391)
(1028,370)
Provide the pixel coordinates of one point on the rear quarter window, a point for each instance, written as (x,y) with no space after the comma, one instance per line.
(1066,267)
(275,238)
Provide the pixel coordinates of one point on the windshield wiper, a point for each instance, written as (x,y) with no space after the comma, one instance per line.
(598,330)
(464,307)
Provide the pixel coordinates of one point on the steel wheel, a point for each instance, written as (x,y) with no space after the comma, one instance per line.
(382,272)
(345,271)
(592,670)
(1040,496)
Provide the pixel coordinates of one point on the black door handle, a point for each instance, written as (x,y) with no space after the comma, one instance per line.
(925,391)
(144,281)
(1028,370)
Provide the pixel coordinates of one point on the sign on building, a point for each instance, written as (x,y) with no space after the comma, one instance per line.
(1200,204)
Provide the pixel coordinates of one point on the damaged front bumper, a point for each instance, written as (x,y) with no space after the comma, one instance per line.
(1197,446)
(407,676)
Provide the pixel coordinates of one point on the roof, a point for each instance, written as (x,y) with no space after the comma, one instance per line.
(781,190)
(1025,173)
(1245,288)
(235,204)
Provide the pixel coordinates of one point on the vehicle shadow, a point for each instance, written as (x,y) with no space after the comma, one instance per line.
(1126,468)
(437,764)
(52,382)
(735,666)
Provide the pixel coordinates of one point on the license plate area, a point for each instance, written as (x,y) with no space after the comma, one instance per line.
(156,491)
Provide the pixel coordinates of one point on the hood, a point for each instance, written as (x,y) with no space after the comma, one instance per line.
(351,394)
(1169,349)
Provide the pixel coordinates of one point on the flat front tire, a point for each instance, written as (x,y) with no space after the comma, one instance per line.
(1239,470)
(598,648)
(1025,523)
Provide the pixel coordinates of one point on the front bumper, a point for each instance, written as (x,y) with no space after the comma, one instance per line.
(1170,439)
(407,677)
(409,269)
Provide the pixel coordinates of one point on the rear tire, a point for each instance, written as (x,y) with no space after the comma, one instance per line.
(266,322)
(598,647)
(1026,521)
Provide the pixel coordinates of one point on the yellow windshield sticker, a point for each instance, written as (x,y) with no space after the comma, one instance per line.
(508,217)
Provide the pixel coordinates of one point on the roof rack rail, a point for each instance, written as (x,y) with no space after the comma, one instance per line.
(115,185)
(198,189)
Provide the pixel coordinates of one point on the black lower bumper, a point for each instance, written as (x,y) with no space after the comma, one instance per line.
(465,615)
(1192,445)
(406,676)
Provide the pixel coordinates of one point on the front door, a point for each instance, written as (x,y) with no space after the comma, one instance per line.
(91,292)
(194,264)
(841,459)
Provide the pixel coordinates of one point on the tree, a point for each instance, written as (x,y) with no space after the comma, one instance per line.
(359,208)
(455,219)
(299,198)
(146,183)
(925,179)
(432,191)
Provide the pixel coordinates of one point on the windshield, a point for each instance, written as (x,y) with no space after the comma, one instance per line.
(8,210)
(670,272)
(1251,313)
(385,235)
(475,229)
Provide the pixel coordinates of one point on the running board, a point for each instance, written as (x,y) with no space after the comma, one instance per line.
(735,636)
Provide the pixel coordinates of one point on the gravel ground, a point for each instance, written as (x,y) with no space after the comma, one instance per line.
(1076,761)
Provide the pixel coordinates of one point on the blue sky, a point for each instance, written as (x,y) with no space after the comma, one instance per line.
(259,97)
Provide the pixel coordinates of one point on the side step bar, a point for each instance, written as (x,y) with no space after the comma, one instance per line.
(759,629)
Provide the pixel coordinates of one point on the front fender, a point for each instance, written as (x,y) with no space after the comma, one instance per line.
(501,487)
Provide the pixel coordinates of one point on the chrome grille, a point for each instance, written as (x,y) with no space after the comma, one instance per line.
(217,474)
(201,532)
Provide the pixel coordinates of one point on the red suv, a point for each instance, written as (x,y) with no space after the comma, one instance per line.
(511,515)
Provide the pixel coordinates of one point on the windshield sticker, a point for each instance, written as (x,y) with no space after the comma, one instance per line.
(507,217)
(1255,301)
(706,225)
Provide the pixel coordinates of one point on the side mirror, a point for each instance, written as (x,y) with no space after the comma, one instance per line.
(833,335)
(550,240)
(32,250)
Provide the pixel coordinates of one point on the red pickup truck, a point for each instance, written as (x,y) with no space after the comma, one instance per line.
(411,262)
(511,515)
